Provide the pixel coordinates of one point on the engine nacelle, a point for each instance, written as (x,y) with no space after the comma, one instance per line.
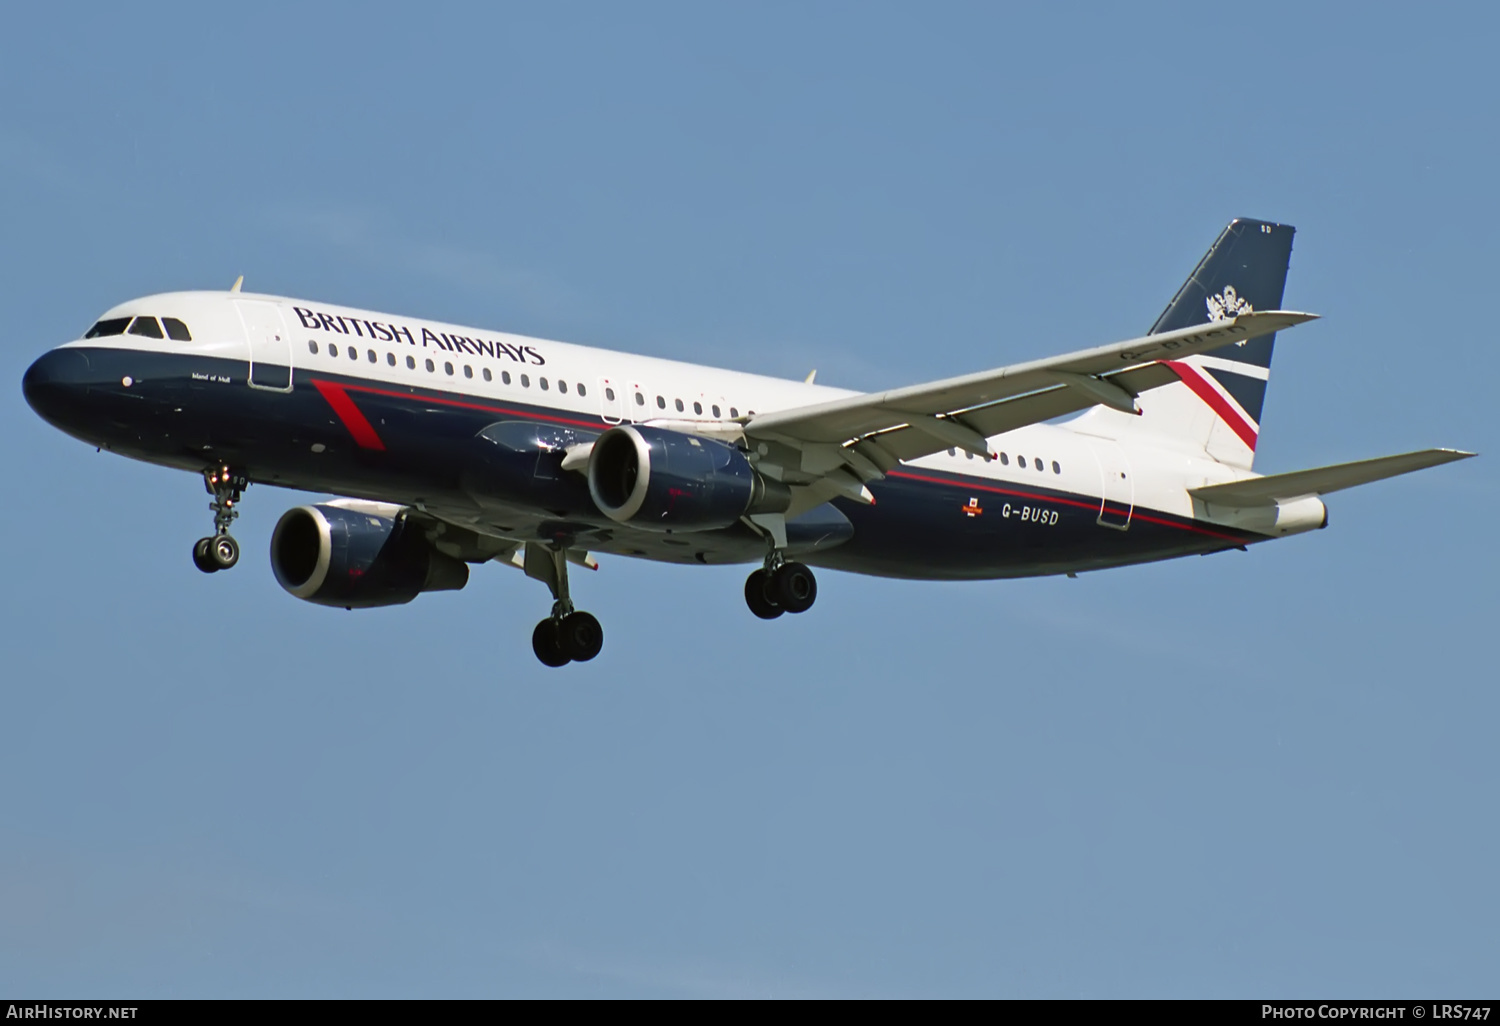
(350,557)
(669,481)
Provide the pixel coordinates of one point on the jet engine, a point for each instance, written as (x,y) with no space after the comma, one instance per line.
(664,480)
(361,557)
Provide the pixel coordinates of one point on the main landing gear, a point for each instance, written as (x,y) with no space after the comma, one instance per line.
(568,635)
(220,551)
(780,587)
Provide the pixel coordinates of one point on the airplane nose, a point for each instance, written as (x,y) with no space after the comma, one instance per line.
(56,383)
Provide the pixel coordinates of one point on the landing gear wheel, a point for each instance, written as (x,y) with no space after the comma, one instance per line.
(795,588)
(546,642)
(758,597)
(581,636)
(223,551)
(201,559)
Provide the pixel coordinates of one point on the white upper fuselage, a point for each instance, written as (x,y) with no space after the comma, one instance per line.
(395,350)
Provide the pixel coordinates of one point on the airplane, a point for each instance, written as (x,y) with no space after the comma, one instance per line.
(450,446)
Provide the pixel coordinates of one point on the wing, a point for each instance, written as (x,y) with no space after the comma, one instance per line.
(867,435)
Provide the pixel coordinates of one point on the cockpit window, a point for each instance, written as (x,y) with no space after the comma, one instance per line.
(176,330)
(113,326)
(145,327)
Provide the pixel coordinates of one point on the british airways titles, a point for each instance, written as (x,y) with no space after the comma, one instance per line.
(344,325)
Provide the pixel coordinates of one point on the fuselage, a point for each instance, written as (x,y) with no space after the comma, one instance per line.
(471,425)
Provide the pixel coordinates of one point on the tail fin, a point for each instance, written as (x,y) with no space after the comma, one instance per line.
(1215,407)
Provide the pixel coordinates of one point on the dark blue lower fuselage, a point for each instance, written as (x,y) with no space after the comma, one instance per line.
(497,463)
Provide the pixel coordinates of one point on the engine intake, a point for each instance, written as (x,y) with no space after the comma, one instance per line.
(354,558)
(669,481)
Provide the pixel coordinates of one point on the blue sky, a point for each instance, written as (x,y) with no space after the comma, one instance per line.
(1263,773)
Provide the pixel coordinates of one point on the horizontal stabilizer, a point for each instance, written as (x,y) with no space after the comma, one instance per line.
(1267,491)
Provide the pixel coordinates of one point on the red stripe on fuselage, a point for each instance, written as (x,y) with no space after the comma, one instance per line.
(595,425)
(1203,389)
(358,425)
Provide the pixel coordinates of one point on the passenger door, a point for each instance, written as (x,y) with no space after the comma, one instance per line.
(270,345)
(1117,487)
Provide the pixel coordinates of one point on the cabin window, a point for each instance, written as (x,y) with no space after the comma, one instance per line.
(312,347)
(582,390)
(468,371)
(411,363)
(146,327)
(103,329)
(661,403)
(390,358)
(716,413)
(968,454)
(430,366)
(698,408)
(680,408)
(609,393)
(952,452)
(562,386)
(640,400)
(525,381)
(373,357)
(505,377)
(542,383)
(1055,468)
(487,375)
(448,369)
(1040,466)
(176,330)
(733,412)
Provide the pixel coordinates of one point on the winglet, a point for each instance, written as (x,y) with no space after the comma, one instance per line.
(237,283)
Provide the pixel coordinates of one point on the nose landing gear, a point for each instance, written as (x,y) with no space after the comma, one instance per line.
(220,551)
(217,553)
